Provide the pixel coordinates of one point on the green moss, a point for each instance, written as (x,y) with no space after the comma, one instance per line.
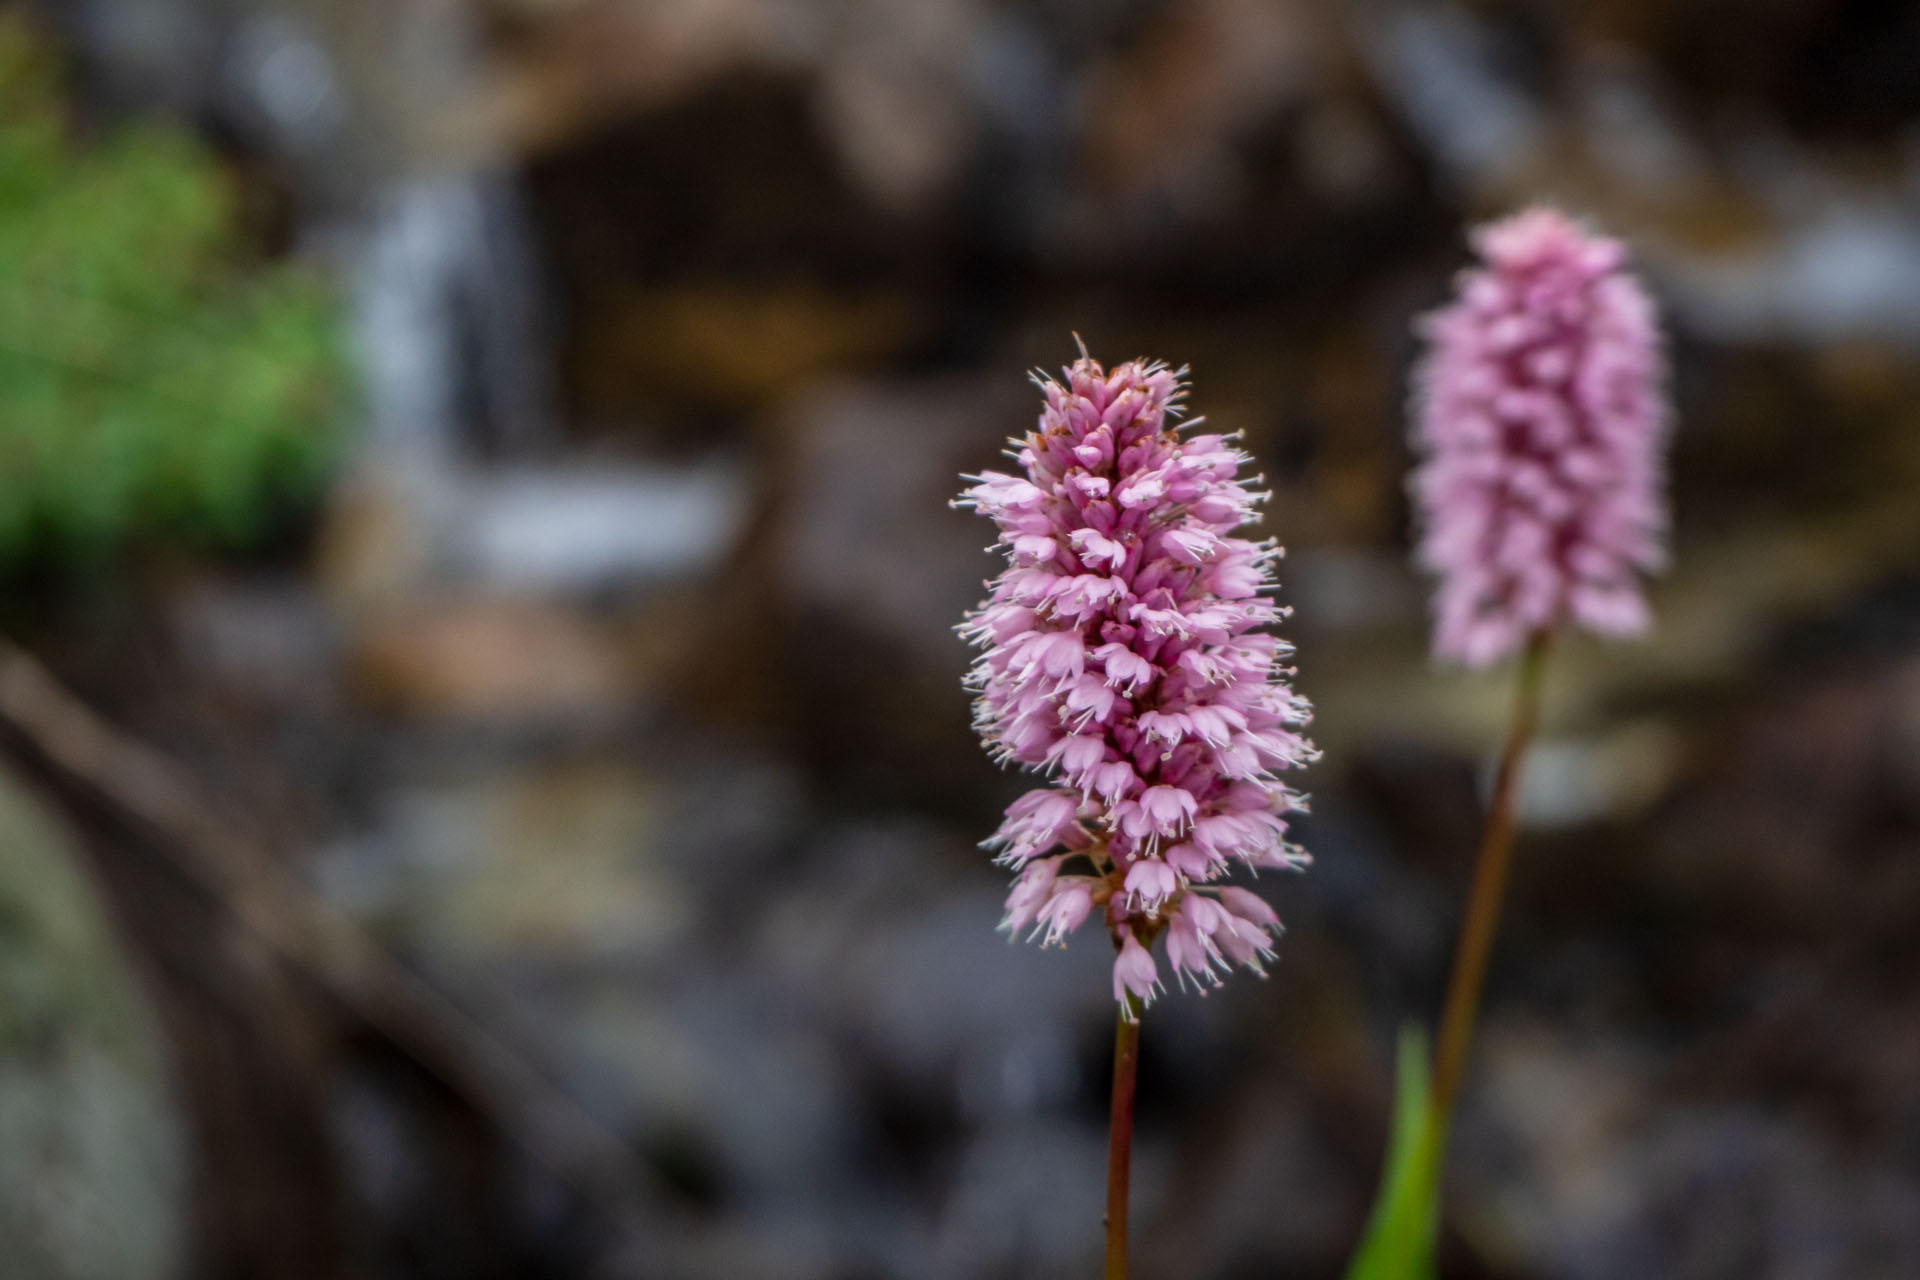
(153,380)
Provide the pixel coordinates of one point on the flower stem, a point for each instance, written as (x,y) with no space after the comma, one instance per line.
(1126,1058)
(1489,886)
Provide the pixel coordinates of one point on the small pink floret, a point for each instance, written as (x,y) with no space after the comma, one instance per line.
(1151,882)
(1134,973)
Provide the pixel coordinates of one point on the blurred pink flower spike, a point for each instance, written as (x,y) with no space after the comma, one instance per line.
(1123,657)
(1541,414)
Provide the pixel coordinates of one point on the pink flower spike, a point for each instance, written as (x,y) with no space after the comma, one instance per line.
(1541,414)
(1123,655)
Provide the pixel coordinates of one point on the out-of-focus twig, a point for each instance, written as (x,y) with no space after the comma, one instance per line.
(48,728)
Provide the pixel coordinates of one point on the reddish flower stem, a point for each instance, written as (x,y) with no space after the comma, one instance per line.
(1126,1060)
(1489,887)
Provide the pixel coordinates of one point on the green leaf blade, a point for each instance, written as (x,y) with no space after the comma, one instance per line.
(1399,1243)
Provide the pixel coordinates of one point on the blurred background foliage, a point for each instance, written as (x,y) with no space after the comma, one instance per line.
(155,380)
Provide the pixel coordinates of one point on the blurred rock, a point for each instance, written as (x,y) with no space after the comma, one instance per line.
(1696,1192)
(724,347)
(894,97)
(1259,1185)
(1568,782)
(1165,117)
(288,82)
(1337,589)
(380,539)
(271,639)
(1552,1116)
(93,1177)
(1633,126)
(868,475)
(886,941)
(588,527)
(398,528)
(1022,1203)
(488,659)
(1847,266)
(1451,75)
